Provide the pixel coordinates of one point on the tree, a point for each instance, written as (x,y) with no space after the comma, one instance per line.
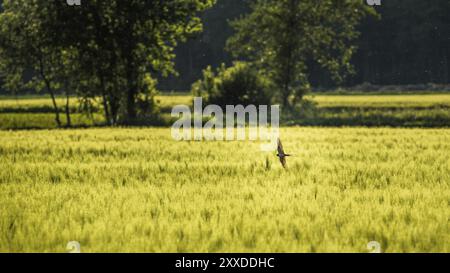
(25,45)
(283,38)
(108,49)
(124,45)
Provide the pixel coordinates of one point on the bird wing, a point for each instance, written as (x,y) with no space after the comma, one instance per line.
(283,161)
(280,148)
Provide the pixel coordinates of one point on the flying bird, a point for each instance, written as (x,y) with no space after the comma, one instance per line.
(281,154)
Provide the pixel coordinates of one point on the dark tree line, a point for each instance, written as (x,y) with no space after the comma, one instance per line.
(209,47)
(408,44)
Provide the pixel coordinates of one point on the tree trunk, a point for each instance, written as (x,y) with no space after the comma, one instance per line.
(114,108)
(55,106)
(69,121)
(105,109)
(105,101)
(50,91)
(113,102)
(131,103)
(131,94)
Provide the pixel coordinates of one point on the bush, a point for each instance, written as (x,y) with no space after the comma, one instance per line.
(239,84)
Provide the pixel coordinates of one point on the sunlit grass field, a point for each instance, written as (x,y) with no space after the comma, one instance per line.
(405,100)
(408,110)
(324,100)
(137,190)
(36,112)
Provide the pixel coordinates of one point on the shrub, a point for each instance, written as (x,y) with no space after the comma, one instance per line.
(238,84)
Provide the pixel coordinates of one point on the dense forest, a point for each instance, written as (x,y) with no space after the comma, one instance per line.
(409,43)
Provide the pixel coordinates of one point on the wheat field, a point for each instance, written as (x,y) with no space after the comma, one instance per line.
(138,190)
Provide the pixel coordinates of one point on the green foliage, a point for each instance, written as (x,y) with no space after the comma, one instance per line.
(128,44)
(207,48)
(26,45)
(283,37)
(238,84)
(109,49)
(406,44)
